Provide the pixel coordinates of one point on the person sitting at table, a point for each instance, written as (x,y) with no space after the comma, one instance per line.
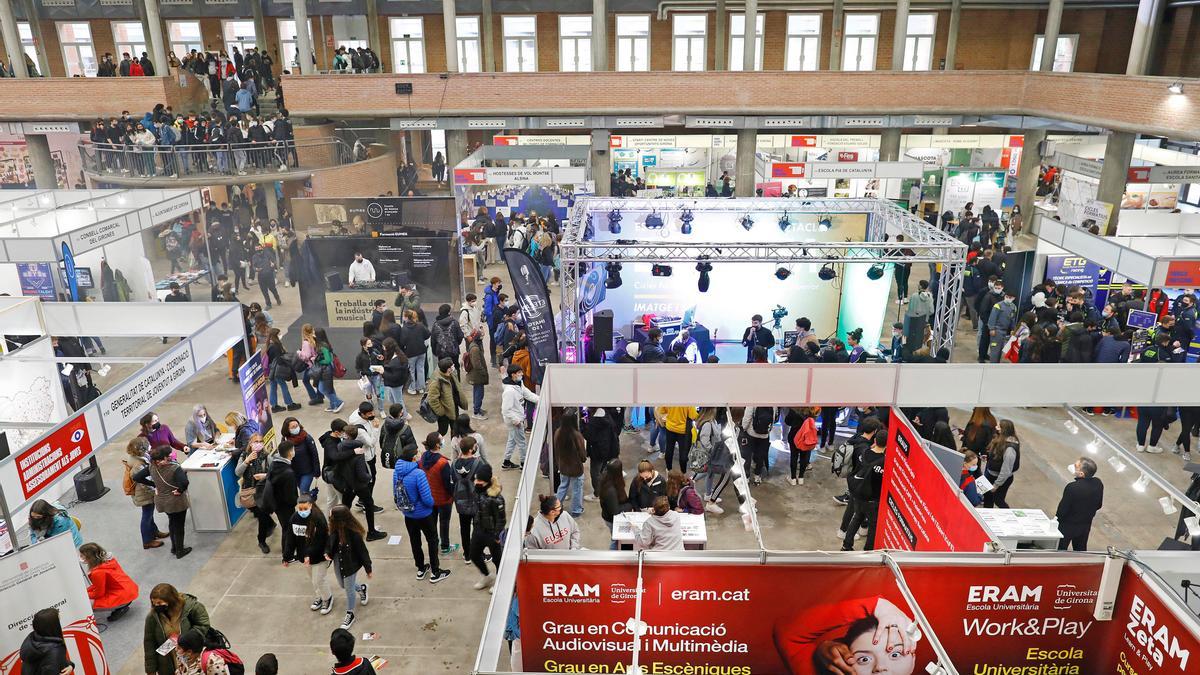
(662,531)
(646,486)
(361,270)
(201,432)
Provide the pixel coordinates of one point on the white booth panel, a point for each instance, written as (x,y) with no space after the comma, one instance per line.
(1094,248)
(157,318)
(1139,222)
(1177,386)
(937,385)
(30,250)
(19,316)
(1051,230)
(716,385)
(613,385)
(1057,384)
(867,383)
(10,283)
(214,339)
(1136,266)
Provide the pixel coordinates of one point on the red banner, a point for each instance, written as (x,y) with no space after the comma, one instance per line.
(847,156)
(504,140)
(919,509)
(1151,638)
(470,176)
(716,619)
(804,141)
(40,465)
(787,170)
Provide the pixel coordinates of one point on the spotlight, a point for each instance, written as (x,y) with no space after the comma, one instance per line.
(686,219)
(827,272)
(747,222)
(635,627)
(783,273)
(1071,426)
(614,275)
(614,221)
(66,370)
(825,224)
(104,369)
(653,221)
(589,230)
(784,223)
(876,272)
(913,631)
(703,268)
(1176,87)
(1193,525)
(1116,463)
(1093,446)
(1167,504)
(660,270)
(1141,483)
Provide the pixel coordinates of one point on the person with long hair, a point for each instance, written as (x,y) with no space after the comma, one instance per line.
(307,461)
(570,452)
(414,342)
(310,537)
(251,471)
(158,433)
(242,429)
(306,367)
(980,429)
(393,370)
(711,457)
(281,369)
(44,651)
(943,436)
(110,589)
(461,428)
(802,440)
(49,519)
(613,497)
(1004,460)
(325,380)
(137,457)
(201,431)
(170,483)
(552,529)
(171,615)
(347,550)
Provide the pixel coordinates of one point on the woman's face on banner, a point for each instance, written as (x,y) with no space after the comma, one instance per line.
(880,658)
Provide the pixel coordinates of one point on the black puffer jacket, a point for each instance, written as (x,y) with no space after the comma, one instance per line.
(43,655)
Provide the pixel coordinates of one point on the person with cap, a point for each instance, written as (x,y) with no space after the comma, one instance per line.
(512,410)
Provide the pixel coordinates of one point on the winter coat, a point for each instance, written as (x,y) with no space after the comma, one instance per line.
(306,461)
(660,533)
(396,436)
(416,485)
(569,456)
(194,615)
(642,493)
(42,655)
(166,479)
(349,554)
(440,477)
(414,338)
(602,437)
(142,494)
(395,372)
(446,337)
(478,375)
(302,547)
(445,396)
(491,516)
(511,408)
(282,478)
(110,585)
(562,534)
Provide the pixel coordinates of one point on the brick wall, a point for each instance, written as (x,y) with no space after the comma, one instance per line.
(88,98)
(368,178)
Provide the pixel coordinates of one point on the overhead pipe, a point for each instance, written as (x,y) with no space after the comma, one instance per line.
(665,7)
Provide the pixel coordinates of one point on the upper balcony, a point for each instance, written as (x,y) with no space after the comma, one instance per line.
(86,98)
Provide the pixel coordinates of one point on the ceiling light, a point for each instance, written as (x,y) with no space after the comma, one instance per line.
(1116,463)
(1071,426)
(614,275)
(827,272)
(703,268)
(825,224)
(686,219)
(1193,525)
(1167,504)
(1093,446)
(782,273)
(876,272)
(661,270)
(1141,483)
(784,223)
(103,372)
(746,222)
(1176,87)
(66,370)
(614,221)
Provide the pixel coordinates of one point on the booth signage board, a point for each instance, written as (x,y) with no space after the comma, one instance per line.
(984,187)
(133,398)
(919,508)
(99,234)
(1141,319)
(1086,167)
(252,377)
(535,140)
(1069,271)
(727,618)
(1164,174)
(1153,639)
(534,299)
(1183,274)
(47,574)
(168,210)
(1098,213)
(37,280)
(40,465)
(846,169)
(835,141)
(351,308)
(520,176)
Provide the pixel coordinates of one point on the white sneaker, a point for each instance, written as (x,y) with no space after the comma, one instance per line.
(841,534)
(800,481)
(1140,448)
(713,508)
(485,582)
(1187,456)
(590,498)
(1154,450)
(758,480)
(792,481)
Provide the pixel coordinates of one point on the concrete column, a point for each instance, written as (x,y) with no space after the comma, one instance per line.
(599,35)
(35,27)
(900,35)
(748,44)
(158,48)
(952,38)
(721,31)
(601,164)
(889,145)
(12,40)
(304,50)
(450,27)
(416,141)
(260,25)
(487,34)
(373,27)
(268,189)
(43,164)
(835,35)
(1053,22)
(1027,173)
(1149,18)
(743,177)
(456,147)
(1118,153)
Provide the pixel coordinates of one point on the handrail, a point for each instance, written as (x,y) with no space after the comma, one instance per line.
(227,159)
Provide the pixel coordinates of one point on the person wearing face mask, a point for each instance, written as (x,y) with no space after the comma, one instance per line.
(512,409)
(491,313)
(983,306)
(170,483)
(490,519)
(252,471)
(47,519)
(310,536)
(137,457)
(201,431)
(1081,499)
(307,461)
(440,477)
(552,527)
(279,493)
(966,480)
(171,615)
(44,652)
(1002,319)
(158,433)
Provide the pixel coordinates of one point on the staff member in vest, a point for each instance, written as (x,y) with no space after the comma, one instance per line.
(1004,460)
(1081,499)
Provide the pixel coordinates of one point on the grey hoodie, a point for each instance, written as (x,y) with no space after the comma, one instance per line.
(660,533)
(561,534)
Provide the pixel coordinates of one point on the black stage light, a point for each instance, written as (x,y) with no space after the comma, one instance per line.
(782,273)
(827,272)
(876,272)
(784,222)
(747,222)
(614,275)
(660,270)
(686,218)
(703,268)
(614,221)
(825,224)
(653,221)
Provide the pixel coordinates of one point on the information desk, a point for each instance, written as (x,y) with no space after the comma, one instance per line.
(627,525)
(213,490)
(1028,528)
(352,307)
(162,287)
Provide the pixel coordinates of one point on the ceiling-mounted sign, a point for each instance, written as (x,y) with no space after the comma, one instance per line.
(642,142)
(784,122)
(1084,167)
(50,127)
(933,120)
(1164,174)
(565,122)
(487,124)
(711,122)
(842,170)
(99,234)
(414,124)
(875,121)
(788,170)
(637,122)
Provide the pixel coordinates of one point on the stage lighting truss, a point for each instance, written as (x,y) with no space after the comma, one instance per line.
(653,221)
(685,220)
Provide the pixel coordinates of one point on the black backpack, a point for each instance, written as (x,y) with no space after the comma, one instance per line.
(443,341)
(215,640)
(762,420)
(466,500)
(389,446)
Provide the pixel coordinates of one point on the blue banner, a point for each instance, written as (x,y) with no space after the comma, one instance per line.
(36,280)
(72,277)
(534,300)
(1071,271)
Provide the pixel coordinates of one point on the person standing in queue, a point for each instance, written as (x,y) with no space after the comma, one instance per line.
(1004,460)
(446,397)
(410,489)
(281,492)
(251,471)
(490,520)
(358,477)
(1081,499)
(866,486)
(757,335)
(170,483)
(137,457)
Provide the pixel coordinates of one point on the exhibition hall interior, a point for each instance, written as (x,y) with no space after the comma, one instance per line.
(599,336)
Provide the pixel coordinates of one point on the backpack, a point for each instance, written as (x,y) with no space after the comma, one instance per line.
(403,501)
(466,500)
(127,482)
(842,458)
(215,641)
(702,449)
(339,370)
(443,341)
(763,419)
(388,450)
(425,410)
(466,361)
(501,336)
(806,436)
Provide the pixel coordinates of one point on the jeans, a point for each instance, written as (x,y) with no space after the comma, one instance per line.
(901,273)
(393,395)
(684,442)
(477,398)
(863,510)
(318,574)
(149,527)
(515,442)
(574,486)
(416,528)
(276,385)
(416,373)
(350,585)
(443,513)
(175,525)
(326,387)
(305,483)
(313,394)
(481,541)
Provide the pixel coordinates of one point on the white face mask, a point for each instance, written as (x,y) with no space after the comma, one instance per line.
(294,430)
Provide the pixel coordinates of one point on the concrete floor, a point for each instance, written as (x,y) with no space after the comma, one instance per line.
(263,607)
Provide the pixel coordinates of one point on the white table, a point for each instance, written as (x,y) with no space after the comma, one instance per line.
(1012,527)
(627,525)
(212,490)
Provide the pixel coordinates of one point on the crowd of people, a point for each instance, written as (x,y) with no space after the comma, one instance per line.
(355,60)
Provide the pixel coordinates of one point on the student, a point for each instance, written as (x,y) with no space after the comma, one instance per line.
(44,652)
(552,528)
(646,486)
(137,457)
(477,373)
(394,436)
(1004,460)
(410,490)
(613,497)
(466,500)
(460,431)
(268,664)
(310,538)
(306,463)
(441,486)
(866,486)
(662,531)
(47,520)
(570,453)
(197,660)
(110,589)
(341,645)
(686,499)
(170,484)
(445,395)
(279,494)
(512,410)
(966,481)
(757,423)
(677,424)
(347,550)
(802,440)
(251,471)
(490,520)
(357,477)
(171,615)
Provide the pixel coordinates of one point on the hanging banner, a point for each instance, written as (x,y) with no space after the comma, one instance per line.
(127,402)
(715,619)
(534,299)
(69,266)
(46,575)
(919,508)
(252,376)
(1152,639)
(1073,271)
(36,280)
(41,464)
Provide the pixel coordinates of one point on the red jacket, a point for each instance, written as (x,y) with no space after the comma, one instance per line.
(111,586)
(441,477)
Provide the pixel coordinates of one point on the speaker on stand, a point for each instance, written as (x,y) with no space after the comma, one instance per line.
(602,330)
(89,484)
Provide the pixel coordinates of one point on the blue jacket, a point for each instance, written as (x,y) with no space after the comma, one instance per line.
(491,299)
(1112,350)
(61,523)
(417,487)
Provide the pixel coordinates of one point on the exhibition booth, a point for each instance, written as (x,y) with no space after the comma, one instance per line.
(522,178)
(948,596)
(687,263)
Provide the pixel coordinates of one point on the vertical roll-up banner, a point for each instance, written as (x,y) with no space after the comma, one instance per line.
(69,268)
(534,299)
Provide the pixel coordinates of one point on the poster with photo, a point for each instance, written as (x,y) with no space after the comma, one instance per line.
(252,376)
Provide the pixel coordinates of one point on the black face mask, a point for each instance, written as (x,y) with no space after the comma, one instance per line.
(480,488)
(162,609)
(156,426)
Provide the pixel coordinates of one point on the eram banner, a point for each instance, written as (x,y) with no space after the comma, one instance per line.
(47,575)
(996,619)
(252,376)
(919,508)
(534,300)
(1153,639)
(720,619)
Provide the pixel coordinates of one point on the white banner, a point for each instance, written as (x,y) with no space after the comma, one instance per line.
(1085,167)
(47,575)
(1164,174)
(126,404)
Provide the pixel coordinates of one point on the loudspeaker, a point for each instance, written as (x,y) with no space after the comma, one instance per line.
(333,281)
(89,485)
(602,330)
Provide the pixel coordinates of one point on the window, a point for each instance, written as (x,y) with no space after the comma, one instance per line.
(918,45)
(288,46)
(239,34)
(575,43)
(128,38)
(862,33)
(737,32)
(689,33)
(1064,55)
(79,56)
(520,44)
(633,42)
(467,30)
(184,36)
(408,44)
(803,42)
(27,45)
(350,30)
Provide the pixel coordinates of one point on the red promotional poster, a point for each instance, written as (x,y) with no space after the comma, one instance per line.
(470,176)
(1152,639)
(1002,619)
(787,170)
(804,141)
(847,156)
(722,619)
(41,464)
(919,509)
(505,140)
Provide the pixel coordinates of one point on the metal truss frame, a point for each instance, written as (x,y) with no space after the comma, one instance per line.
(923,243)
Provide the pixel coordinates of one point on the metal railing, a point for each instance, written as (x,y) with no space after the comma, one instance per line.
(228,159)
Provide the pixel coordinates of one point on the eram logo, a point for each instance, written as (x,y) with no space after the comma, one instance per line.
(1156,639)
(571,593)
(977,594)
